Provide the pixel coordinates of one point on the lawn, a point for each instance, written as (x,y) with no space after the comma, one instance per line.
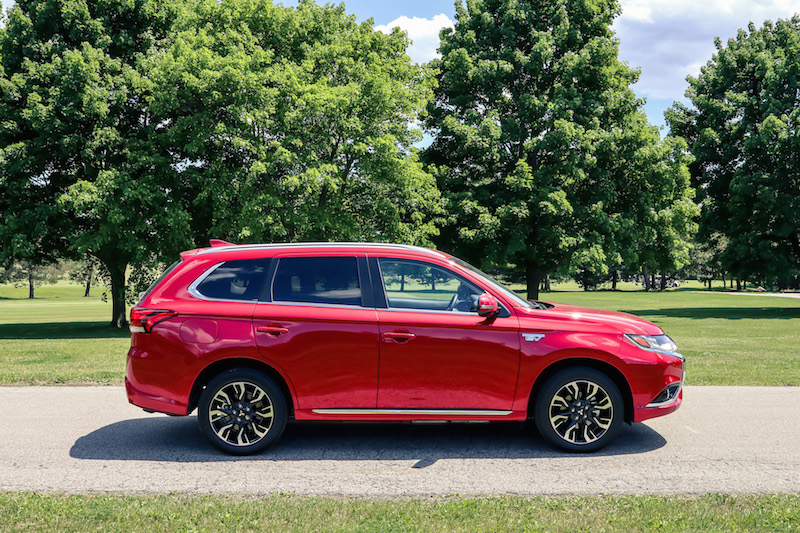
(61,337)
(104,512)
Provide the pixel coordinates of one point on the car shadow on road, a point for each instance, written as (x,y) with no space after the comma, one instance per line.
(161,438)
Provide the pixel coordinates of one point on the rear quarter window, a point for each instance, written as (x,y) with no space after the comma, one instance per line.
(232,280)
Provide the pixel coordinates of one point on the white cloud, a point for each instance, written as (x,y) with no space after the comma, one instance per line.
(424,34)
(670,40)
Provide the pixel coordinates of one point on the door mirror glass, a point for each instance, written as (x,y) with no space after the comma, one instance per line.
(487,305)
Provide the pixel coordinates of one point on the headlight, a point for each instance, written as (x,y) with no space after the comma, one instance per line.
(655,343)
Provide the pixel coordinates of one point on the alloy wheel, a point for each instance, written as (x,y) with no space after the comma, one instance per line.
(581,412)
(241,413)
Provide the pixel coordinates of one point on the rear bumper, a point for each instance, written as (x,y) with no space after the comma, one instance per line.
(151,402)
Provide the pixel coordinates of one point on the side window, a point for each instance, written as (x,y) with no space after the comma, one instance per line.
(234,280)
(321,280)
(416,285)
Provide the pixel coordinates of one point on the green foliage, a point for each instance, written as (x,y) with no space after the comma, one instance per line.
(132,130)
(81,172)
(742,129)
(541,148)
(293,124)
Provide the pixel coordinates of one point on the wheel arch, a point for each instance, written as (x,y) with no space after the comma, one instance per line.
(218,367)
(612,372)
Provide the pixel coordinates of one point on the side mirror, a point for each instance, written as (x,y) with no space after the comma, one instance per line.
(487,305)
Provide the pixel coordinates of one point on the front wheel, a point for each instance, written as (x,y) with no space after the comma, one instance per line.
(242,411)
(579,409)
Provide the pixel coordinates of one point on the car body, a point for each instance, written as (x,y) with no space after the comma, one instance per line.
(254,335)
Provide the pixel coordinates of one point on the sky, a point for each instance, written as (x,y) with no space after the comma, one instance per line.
(666,39)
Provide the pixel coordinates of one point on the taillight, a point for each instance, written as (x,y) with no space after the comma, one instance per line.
(143,320)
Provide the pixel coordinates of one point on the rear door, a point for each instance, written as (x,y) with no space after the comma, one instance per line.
(317,323)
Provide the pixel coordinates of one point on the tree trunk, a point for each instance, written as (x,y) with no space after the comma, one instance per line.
(738,285)
(723,279)
(119,318)
(653,281)
(533,278)
(88,282)
(547,283)
(663,282)
(614,281)
(646,279)
(30,282)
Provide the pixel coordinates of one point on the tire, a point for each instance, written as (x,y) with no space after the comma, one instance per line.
(242,411)
(579,409)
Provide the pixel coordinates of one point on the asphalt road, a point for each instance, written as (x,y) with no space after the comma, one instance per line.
(86,439)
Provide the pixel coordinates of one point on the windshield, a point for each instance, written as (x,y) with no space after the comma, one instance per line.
(510,294)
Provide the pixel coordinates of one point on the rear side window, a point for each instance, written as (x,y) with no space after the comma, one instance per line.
(233,280)
(320,280)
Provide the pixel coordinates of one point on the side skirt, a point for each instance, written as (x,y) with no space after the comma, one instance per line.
(408,414)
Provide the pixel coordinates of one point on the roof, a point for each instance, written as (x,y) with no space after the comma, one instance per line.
(360,246)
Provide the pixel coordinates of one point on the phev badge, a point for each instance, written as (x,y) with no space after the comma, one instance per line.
(535,337)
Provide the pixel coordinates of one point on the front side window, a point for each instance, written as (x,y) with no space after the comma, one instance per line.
(318,280)
(234,280)
(422,286)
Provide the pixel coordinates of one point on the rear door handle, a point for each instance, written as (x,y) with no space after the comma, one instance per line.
(398,336)
(273,330)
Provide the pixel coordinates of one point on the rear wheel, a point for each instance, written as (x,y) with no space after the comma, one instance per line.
(242,411)
(579,409)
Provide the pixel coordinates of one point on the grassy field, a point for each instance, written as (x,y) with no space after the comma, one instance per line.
(61,337)
(44,513)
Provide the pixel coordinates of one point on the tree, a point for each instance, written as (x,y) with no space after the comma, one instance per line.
(85,272)
(293,124)
(742,128)
(76,138)
(542,151)
(30,275)
(133,130)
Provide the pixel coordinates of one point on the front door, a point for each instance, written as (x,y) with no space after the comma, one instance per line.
(436,351)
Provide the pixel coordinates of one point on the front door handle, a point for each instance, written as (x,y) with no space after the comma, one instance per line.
(400,336)
(273,330)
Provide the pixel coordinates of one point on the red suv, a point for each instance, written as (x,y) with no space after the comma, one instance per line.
(253,335)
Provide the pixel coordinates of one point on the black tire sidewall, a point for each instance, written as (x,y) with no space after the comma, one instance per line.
(276,396)
(553,385)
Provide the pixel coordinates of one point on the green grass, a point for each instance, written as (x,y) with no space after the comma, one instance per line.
(103,512)
(59,337)
(728,340)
